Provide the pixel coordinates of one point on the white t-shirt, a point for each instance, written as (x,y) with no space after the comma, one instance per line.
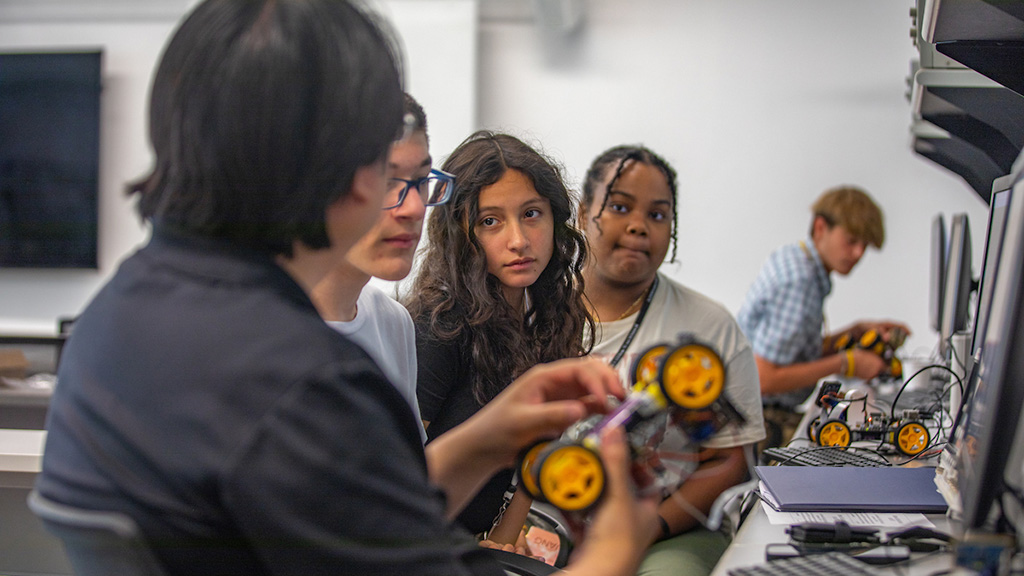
(383,328)
(674,309)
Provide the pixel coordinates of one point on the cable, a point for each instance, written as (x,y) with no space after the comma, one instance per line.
(926,453)
(956,357)
(892,410)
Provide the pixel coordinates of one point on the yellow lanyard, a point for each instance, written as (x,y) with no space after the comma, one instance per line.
(824,319)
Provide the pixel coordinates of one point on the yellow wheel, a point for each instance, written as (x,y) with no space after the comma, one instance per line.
(692,376)
(896,368)
(645,367)
(912,438)
(843,341)
(571,477)
(834,433)
(812,429)
(872,340)
(869,339)
(526,472)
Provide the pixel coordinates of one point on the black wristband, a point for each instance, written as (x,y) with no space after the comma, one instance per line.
(665,531)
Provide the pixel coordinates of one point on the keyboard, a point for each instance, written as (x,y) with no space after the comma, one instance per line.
(823,456)
(825,564)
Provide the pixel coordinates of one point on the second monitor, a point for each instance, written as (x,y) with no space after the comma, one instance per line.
(957,288)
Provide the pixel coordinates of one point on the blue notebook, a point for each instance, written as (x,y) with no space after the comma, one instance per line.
(851,489)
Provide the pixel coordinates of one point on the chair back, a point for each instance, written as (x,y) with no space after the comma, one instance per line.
(97,543)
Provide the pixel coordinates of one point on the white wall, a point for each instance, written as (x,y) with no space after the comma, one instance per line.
(759,106)
(32,300)
(438,38)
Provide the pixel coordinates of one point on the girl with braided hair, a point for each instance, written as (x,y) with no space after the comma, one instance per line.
(628,213)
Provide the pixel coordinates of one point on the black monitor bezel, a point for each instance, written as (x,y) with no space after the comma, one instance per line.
(958,283)
(1002,190)
(991,422)
(937,272)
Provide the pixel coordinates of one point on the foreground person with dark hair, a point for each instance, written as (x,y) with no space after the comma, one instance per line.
(203,396)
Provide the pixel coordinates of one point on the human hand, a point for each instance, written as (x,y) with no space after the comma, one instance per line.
(616,538)
(894,333)
(867,364)
(544,401)
(890,331)
(514,548)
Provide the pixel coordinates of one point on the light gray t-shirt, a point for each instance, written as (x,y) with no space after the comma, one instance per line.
(383,328)
(674,309)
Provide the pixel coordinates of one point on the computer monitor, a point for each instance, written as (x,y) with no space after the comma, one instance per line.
(49,159)
(990,422)
(937,270)
(998,203)
(958,284)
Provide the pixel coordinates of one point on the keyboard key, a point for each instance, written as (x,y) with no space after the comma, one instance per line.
(824,456)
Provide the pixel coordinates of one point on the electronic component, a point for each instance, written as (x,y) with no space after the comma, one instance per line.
(835,533)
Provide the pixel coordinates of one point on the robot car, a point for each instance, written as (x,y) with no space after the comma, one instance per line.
(908,433)
(681,381)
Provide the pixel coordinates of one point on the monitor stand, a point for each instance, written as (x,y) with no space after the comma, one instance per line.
(958,364)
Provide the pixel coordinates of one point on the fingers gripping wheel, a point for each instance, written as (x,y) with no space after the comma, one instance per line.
(872,341)
(912,438)
(570,476)
(679,384)
(692,376)
(834,433)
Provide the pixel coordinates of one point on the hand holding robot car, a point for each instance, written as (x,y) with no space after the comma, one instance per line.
(682,382)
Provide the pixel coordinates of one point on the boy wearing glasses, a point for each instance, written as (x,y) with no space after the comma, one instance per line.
(362,312)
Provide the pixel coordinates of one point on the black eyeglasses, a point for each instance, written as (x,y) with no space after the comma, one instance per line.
(434,189)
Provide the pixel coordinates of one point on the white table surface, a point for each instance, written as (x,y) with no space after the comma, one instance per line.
(21,450)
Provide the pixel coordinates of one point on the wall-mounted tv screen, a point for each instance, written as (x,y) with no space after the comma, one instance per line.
(49,159)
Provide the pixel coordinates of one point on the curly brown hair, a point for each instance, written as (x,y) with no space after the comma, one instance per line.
(453,294)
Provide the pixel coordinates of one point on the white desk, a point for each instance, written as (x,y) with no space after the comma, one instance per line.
(748,546)
(21,450)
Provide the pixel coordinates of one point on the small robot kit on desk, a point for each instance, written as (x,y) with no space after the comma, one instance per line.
(907,433)
(682,382)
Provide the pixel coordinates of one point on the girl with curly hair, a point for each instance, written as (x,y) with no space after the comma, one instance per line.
(500,289)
